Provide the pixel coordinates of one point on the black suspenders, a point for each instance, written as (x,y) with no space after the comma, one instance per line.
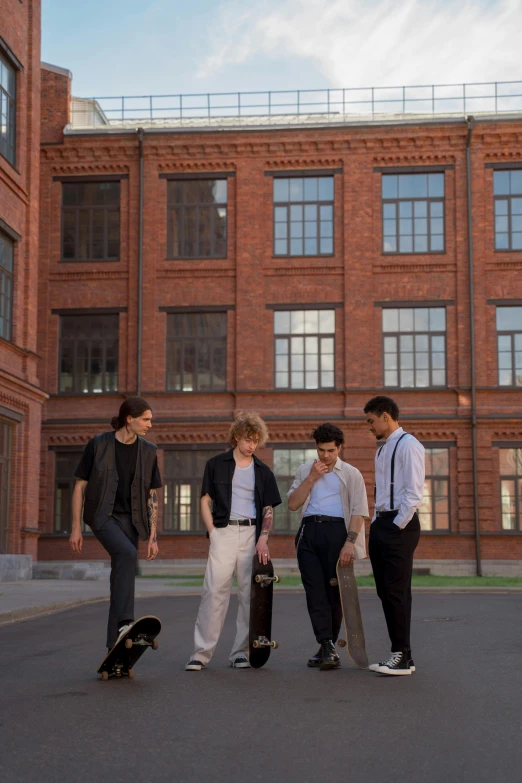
(392,484)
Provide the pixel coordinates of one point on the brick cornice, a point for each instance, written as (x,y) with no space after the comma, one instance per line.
(302,271)
(191,273)
(388,268)
(501,139)
(207,165)
(506,434)
(88,275)
(495,266)
(83,155)
(415,159)
(209,435)
(303,163)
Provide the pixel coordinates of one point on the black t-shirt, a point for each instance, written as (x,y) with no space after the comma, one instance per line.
(125,456)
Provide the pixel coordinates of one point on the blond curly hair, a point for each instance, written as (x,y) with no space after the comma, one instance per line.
(248,424)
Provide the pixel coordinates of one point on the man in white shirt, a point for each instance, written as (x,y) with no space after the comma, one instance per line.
(332,497)
(395,528)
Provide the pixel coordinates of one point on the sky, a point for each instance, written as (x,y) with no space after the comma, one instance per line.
(143,47)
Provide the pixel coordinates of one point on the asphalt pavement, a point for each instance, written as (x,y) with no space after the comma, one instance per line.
(458,719)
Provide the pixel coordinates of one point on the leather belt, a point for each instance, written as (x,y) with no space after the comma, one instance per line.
(392,513)
(242,522)
(322,518)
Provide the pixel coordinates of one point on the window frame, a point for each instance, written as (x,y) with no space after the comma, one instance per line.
(71,481)
(171,206)
(11,64)
(319,203)
(90,314)
(505,197)
(433,477)
(428,200)
(318,335)
(429,334)
(91,209)
(287,531)
(197,342)
(195,481)
(5,274)
(517,480)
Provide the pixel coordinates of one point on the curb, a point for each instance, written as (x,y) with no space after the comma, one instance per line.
(20,615)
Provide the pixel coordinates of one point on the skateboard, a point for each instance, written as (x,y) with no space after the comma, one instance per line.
(260,629)
(353,626)
(120,660)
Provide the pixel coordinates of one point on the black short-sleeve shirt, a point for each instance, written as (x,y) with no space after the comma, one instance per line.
(217,484)
(125,456)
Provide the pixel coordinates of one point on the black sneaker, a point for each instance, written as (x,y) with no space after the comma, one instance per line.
(374,666)
(315,660)
(194,666)
(241,662)
(397,663)
(329,657)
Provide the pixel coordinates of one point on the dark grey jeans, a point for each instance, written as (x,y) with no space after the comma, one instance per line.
(119,538)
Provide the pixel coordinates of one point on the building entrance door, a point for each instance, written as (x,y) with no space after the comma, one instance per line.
(5,470)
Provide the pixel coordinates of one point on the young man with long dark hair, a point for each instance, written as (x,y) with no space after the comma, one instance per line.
(117,479)
(395,528)
(332,497)
(238,496)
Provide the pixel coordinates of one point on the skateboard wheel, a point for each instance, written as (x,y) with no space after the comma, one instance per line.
(155,644)
(258,578)
(334,582)
(341,643)
(274,645)
(255,644)
(130,674)
(276,579)
(128,643)
(105,675)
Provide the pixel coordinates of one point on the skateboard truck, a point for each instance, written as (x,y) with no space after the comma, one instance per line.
(141,641)
(262,641)
(264,579)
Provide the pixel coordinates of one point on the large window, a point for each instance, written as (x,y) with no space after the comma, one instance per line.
(197,218)
(507,187)
(182,478)
(413,213)
(88,353)
(511,488)
(196,351)
(286,462)
(303,216)
(64,481)
(509,342)
(7,110)
(414,346)
(434,510)
(304,349)
(90,221)
(6,286)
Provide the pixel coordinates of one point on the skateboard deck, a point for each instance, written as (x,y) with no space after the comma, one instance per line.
(260,643)
(353,625)
(120,660)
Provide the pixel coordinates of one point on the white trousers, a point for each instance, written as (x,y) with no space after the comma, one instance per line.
(231,550)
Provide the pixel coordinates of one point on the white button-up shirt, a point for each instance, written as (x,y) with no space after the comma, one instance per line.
(409,476)
(353,497)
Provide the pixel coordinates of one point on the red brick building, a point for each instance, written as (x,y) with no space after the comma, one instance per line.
(295,267)
(21,395)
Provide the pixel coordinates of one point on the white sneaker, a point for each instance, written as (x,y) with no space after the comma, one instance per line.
(241,662)
(122,631)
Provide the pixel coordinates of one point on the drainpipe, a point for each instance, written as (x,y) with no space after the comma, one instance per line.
(472,351)
(140,265)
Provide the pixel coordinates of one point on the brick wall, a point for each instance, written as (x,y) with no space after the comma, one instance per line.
(250,278)
(20,394)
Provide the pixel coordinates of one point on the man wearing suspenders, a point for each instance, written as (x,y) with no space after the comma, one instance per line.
(395,528)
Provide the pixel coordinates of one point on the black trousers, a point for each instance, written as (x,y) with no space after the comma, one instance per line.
(391,554)
(119,538)
(318,547)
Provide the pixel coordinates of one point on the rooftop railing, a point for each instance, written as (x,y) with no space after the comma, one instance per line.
(286,107)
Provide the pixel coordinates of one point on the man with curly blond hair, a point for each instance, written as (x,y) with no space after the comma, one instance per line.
(238,496)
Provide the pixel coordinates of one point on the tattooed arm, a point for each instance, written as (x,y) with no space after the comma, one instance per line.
(152,514)
(266,526)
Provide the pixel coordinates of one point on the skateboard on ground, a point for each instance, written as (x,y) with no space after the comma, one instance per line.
(261,596)
(120,660)
(353,626)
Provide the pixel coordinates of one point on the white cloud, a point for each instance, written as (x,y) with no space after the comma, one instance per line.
(355,43)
